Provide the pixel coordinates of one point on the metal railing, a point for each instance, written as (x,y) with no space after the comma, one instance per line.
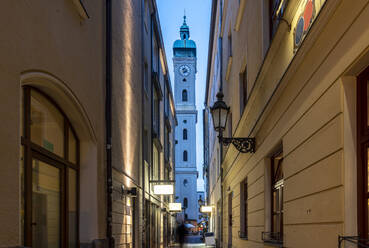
(356,240)
(272,238)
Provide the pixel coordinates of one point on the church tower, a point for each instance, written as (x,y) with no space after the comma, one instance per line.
(184,62)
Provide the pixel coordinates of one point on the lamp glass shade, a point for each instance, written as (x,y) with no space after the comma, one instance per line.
(219,113)
(164,189)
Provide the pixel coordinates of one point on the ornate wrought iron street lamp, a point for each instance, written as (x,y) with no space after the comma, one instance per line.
(200,201)
(219,113)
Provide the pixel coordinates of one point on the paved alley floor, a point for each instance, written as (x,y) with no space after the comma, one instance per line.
(192,245)
(192,241)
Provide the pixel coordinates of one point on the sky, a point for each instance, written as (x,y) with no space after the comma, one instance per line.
(198,19)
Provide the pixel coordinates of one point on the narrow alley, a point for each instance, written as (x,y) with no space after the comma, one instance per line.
(184,123)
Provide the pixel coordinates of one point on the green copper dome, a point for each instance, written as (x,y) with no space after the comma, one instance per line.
(184,47)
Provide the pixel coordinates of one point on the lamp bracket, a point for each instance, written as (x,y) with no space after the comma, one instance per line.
(132,192)
(287,23)
(243,145)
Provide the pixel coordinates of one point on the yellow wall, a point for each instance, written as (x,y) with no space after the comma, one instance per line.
(305,114)
(47,44)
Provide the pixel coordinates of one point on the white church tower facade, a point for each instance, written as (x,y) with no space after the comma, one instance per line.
(184,61)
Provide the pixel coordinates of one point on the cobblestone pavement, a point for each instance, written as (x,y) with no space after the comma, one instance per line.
(191,245)
(192,241)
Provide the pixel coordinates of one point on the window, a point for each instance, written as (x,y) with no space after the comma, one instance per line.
(185,182)
(243,90)
(229,124)
(166,101)
(166,144)
(277,8)
(363,153)
(155,47)
(156,163)
(146,78)
(51,174)
(146,146)
(230,219)
(184,96)
(243,209)
(185,134)
(230,44)
(184,80)
(185,202)
(185,156)
(156,114)
(276,234)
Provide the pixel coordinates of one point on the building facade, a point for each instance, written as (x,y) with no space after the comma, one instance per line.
(294,74)
(88,121)
(184,64)
(143,127)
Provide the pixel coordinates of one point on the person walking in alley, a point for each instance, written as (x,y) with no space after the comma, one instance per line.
(181,234)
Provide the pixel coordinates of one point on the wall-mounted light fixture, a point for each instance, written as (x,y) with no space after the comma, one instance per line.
(219,113)
(132,192)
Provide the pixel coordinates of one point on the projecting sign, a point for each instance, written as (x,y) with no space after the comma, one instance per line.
(164,189)
(175,207)
(206,209)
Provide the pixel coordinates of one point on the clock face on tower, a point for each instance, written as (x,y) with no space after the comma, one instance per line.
(184,70)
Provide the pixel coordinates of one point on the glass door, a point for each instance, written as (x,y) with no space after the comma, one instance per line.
(46,205)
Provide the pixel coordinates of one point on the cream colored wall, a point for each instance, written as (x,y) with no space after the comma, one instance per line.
(49,36)
(306,115)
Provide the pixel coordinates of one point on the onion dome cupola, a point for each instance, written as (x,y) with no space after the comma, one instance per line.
(184,47)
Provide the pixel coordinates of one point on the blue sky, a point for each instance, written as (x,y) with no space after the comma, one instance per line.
(198,19)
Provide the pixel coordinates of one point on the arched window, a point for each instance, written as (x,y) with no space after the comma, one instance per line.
(184,80)
(51,167)
(184,96)
(185,202)
(185,155)
(185,134)
(185,182)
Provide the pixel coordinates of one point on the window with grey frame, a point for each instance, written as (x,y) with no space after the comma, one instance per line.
(275,235)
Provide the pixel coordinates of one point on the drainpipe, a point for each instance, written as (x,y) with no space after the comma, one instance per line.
(221,133)
(143,234)
(108,122)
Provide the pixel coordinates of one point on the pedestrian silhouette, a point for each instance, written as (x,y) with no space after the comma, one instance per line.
(181,234)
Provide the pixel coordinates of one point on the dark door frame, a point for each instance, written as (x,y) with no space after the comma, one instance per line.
(34,151)
(362,154)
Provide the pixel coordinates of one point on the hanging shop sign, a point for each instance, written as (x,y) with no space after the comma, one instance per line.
(164,189)
(175,207)
(206,209)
